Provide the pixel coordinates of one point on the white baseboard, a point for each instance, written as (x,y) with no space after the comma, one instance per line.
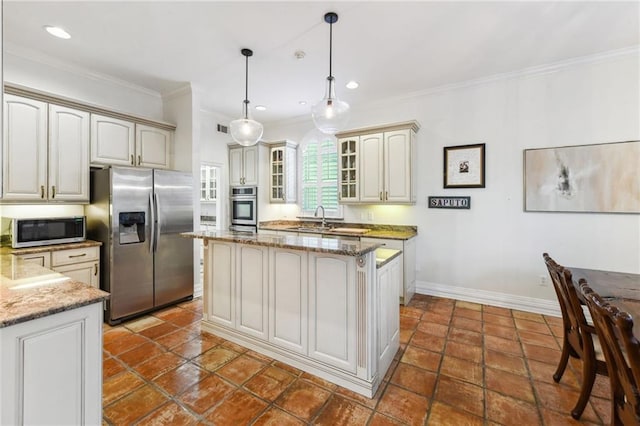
(493,298)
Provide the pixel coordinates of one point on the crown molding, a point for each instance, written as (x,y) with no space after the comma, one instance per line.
(525,72)
(44,59)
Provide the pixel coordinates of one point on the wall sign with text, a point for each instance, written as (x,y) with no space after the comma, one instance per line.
(449,202)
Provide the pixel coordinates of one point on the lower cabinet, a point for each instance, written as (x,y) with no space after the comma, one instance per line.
(288,292)
(389,279)
(53,369)
(81,264)
(220,278)
(407,286)
(332,310)
(321,312)
(42,259)
(252,290)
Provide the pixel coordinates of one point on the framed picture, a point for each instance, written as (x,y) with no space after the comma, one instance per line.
(600,178)
(464,166)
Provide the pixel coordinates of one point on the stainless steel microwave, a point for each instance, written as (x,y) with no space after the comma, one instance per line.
(30,232)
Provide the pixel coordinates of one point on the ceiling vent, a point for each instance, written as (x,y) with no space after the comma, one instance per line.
(223,129)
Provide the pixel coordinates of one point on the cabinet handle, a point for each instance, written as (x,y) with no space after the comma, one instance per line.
(132,161)
(139,160)
(95,269)
(386,195)
(42,191)
(381,196)
(53,191)
(77,255)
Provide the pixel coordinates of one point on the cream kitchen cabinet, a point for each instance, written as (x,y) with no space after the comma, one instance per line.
(332,313)
(42,259)
(153,147)
(348,149)
(125,143)
(252,292)
(45,152)
(240,295)
(244,165)
(288,288)
(389,280)
(282,172)
(82,264)
(53,369)
(376,164)
(407,284)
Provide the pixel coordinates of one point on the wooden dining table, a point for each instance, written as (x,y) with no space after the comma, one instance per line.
(620,289)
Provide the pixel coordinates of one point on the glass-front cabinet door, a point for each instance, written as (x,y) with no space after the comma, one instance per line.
(282,171)
(348,161)
(277,174)
(208,183)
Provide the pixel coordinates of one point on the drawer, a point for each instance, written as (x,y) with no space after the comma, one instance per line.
(68,257)
(42,259)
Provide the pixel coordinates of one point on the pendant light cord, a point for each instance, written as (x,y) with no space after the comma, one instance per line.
(246,88)
(330,46)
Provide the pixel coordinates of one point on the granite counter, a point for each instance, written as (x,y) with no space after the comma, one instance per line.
(29,291)
(306,243)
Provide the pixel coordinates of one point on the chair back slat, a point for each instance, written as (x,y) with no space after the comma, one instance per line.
(622,353)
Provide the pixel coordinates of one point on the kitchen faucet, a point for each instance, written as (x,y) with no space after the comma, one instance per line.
(324,222)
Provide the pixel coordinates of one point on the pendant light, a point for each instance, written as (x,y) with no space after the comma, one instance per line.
(330,114)
(245,130)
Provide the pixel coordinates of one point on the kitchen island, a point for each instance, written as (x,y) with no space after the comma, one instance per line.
(51,338)
(311,302)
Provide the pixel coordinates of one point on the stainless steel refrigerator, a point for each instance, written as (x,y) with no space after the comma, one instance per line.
(138,215)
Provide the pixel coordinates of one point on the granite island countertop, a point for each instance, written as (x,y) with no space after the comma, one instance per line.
(369,230)
(307,243)
(29,291)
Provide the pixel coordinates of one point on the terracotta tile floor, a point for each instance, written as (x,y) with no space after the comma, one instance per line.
(459,363)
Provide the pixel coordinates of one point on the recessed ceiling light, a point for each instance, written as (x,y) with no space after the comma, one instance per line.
(57,32)
(302,102)
(352,85)
(261,108)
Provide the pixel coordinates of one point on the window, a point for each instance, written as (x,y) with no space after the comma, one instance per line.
(319,158)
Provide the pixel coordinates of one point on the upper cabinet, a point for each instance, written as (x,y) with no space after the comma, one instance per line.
(153,147)
(124,143)
(45,152)
(282,172)
(112,141)
(376,164)
(243,165)
(208,183)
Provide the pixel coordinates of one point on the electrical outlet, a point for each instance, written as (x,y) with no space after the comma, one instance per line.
(543,280)
(370,216)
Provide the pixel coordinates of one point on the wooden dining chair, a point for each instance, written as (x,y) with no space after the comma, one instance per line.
(578,336)
(622,352)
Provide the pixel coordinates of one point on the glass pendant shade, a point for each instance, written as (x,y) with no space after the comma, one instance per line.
(330,115)
(245,130)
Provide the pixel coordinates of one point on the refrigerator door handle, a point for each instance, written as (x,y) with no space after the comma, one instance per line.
(152,223)
(158,222)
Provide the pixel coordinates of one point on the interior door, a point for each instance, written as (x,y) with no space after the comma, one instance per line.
(173,192)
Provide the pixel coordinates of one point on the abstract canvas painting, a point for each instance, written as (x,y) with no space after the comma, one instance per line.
(601,178)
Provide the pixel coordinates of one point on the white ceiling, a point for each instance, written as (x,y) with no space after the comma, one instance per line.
(392,48)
